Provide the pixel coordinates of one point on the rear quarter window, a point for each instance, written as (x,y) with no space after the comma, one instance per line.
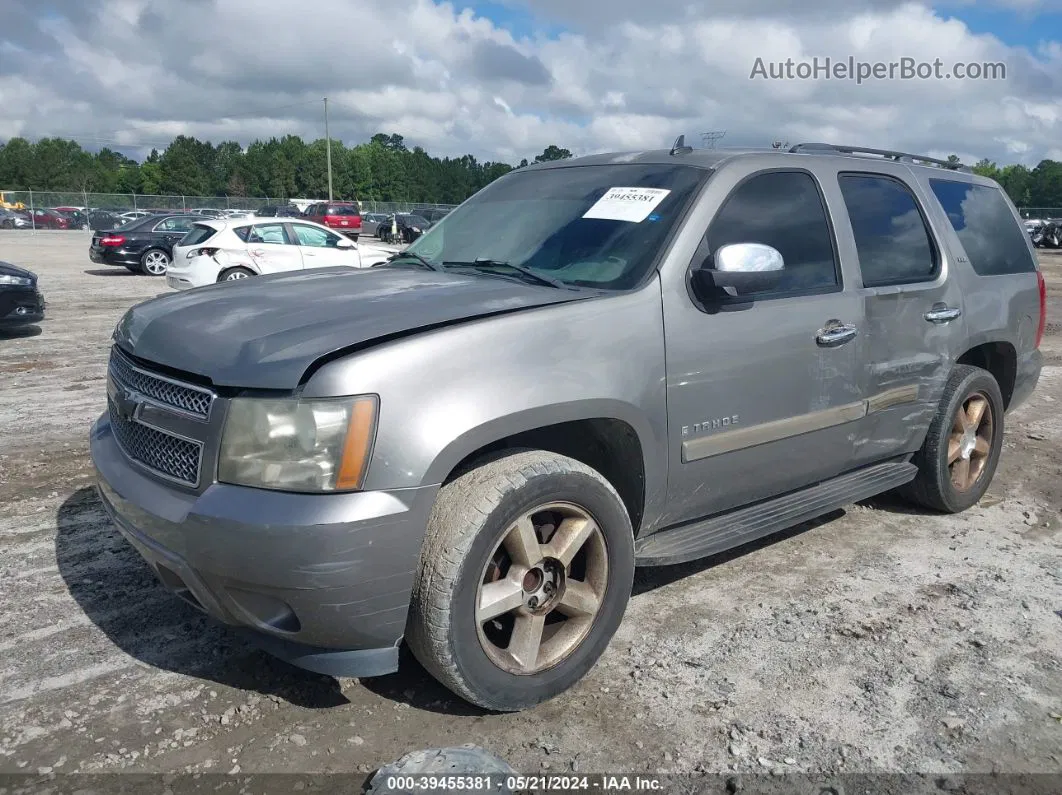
(199,234)
(995,243)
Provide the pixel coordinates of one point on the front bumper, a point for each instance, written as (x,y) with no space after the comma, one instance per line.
(322,581)
(20,305)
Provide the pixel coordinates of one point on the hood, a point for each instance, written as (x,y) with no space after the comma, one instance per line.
(265,332)
(7,269)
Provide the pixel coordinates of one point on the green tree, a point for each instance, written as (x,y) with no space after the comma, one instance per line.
(552,152)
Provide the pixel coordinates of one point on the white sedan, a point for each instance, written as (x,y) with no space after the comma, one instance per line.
(219,250)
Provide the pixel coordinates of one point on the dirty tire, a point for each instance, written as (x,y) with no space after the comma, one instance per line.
(932,487)
(234,274)
(465,761)
(470,516)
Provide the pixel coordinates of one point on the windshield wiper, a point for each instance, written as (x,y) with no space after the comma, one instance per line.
(415,257)
(492,264)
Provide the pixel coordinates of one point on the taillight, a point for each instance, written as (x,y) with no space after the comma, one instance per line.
(112,240)
(1043,309)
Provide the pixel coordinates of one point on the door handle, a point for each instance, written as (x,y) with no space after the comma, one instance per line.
(835,333)
(942,313)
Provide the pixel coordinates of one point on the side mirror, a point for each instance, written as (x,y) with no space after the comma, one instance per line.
(345,242)
(738,269)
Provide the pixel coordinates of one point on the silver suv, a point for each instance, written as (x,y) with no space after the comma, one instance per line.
(649,358)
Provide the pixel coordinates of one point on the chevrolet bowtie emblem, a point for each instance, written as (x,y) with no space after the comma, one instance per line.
(126,404)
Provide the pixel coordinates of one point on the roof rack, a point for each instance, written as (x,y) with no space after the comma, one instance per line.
(903,157)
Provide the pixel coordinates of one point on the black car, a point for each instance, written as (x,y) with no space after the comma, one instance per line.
(102,220)
(20,300)
(144,245)
(434,214)
(404,228)
(279,211)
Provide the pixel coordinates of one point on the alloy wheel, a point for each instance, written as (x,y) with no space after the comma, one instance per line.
(970,441)
(542,588)
(235,275)
(156,262)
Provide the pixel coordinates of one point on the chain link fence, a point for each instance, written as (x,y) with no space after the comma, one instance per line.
(128,202)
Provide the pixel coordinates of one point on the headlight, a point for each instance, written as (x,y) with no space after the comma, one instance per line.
(298,445)
(21,281)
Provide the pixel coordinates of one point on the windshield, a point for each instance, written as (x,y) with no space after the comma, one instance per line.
(591,226)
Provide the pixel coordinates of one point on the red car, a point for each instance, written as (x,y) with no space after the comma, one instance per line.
(49,219)
(344,217)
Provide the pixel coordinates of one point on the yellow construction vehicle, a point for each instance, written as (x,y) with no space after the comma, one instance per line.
(9,205)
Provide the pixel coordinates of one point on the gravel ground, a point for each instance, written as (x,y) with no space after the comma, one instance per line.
(877,639)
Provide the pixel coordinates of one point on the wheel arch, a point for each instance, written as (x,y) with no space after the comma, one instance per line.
(608,436)
(998,357)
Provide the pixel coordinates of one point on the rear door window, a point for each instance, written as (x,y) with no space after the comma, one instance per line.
(892,239)
(995,243)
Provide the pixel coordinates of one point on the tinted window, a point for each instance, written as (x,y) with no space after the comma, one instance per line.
(267,233)
(312,236)
(342,209)
(784,210)
(986,228)
(199,234)
(892,240)
(175,225)
(544,215)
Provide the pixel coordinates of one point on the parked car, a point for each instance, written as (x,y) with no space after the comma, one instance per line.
(101,220)
(279,211)
(343,217)
(142,246)
(21,303)
(208,212)
(370,223)
(403,228)
(433,214)
(228,250)
(78,219)
(675,353)
(14,219)
(1046,233)
(42,218)
(135,215)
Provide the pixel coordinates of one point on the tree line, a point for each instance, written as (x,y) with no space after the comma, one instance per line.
(383,169)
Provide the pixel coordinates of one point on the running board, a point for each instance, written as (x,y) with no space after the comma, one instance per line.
(719,533)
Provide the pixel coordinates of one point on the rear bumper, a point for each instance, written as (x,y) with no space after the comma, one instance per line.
(1028,375)
(322,581)
(114,256)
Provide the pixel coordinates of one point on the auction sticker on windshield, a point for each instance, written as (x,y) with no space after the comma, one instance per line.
(627,204)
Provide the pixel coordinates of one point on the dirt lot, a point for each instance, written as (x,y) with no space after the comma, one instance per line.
(879,639)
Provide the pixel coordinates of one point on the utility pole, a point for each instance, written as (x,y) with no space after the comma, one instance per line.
(328,150)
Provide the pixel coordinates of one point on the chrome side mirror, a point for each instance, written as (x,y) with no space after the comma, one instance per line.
(739,269)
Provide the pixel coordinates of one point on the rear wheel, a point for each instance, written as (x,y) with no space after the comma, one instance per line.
(232,274)
(154,262)
(524,577)
(959,456)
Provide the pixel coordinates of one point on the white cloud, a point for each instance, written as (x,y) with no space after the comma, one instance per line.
(632,76)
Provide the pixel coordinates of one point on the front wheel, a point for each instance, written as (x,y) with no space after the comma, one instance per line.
(154,262)
(525,574)
(962,447)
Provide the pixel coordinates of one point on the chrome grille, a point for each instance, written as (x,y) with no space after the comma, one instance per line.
(167,455)
(181,396)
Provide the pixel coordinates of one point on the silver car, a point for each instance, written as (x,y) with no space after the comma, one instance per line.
(653,357)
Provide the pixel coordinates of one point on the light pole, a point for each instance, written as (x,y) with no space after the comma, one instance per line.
(328,149)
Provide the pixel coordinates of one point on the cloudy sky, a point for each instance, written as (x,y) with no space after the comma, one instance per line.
(503,79)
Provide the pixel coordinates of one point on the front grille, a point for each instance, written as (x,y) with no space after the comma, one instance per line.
(168,455)
(181,396)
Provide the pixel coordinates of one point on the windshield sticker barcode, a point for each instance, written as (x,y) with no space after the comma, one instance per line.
(627,204)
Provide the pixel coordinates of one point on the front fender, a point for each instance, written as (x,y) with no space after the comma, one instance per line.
(444,394)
